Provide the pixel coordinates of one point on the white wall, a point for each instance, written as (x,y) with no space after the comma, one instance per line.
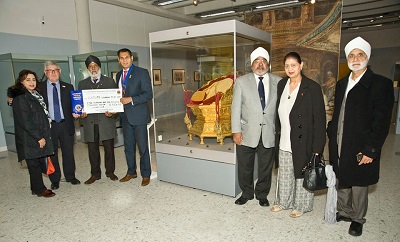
(109,23)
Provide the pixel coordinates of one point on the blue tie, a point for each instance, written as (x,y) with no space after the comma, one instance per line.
(261,92)
(56,103)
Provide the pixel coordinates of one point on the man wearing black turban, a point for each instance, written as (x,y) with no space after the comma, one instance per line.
(98,126)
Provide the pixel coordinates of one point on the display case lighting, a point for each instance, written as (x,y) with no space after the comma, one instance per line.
(164,3)
(217,14)
(277,4)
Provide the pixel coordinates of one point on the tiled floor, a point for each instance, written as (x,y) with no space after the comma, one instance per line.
(114,211)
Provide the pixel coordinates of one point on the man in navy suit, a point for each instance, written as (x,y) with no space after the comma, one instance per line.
(62,125)
(137,91)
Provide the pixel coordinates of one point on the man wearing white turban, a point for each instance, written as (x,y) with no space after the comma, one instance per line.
(253,127)
(357,131)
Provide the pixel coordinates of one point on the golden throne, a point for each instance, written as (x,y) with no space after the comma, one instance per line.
(211,106)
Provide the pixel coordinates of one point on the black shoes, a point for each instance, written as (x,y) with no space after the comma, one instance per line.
(55,185)
(342,218)
(355,228)
(241,200)
(263,202)
(74,181)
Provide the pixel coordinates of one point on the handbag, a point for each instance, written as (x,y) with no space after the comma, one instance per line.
(314,173)
(47,166)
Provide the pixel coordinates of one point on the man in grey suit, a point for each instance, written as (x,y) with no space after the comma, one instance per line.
(253,128)
(98,126)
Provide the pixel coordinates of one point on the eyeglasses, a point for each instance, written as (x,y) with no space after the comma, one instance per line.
(53,71)
(260,61)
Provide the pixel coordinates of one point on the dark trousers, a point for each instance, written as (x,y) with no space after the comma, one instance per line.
(35,175)
(94,154)
(246,158)
(353,203)
(60,134)
(136,135)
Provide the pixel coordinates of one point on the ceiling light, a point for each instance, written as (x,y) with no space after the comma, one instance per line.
(277,4)
(216,14)
(312,1)
(195,2)
(164,3)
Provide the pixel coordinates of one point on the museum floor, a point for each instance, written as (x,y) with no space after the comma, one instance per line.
(114,211)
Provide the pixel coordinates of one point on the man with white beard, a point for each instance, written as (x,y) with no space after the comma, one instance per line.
(98,127)
(359,126)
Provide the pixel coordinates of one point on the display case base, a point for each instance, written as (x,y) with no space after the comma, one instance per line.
(208,175)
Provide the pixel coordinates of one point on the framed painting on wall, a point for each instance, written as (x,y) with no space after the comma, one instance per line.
(196,76)
(157,77)
(178,76)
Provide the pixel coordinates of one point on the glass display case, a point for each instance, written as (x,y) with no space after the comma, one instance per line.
(185,64)
(10,66)
(109,67)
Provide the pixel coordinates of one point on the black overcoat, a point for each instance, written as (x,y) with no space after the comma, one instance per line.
(366,124)
(307,121)
(31,125)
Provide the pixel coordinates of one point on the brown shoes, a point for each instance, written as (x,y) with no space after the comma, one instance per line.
(46,193)
(112,177)
(128,177)
(145,181)
(92,179)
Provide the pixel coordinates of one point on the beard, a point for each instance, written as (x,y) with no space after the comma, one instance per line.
(95,74)
(260,71)
(361,66)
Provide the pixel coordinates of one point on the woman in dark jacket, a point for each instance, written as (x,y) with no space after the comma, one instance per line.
(300,129)
(32,129)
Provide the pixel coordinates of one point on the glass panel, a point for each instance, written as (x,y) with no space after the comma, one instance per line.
(7,80)
(209,57)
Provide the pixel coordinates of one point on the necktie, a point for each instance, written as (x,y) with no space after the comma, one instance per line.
(125,72)
(95,80)
(124,81)
(56,103)
(261,92)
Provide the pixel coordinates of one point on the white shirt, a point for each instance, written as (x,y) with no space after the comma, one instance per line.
(352,82)
(285,107)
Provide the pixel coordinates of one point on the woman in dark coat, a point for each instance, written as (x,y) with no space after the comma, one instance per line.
(32,129)
(300,129)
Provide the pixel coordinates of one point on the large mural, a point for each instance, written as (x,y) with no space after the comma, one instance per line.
(312,30)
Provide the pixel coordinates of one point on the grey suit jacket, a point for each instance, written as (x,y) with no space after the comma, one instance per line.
(107,127)
(248,117)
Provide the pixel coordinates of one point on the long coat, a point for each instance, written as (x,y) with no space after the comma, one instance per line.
(107,128)
(248,117)
(31,125)
(138,87)
(367,116)
(307,122)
